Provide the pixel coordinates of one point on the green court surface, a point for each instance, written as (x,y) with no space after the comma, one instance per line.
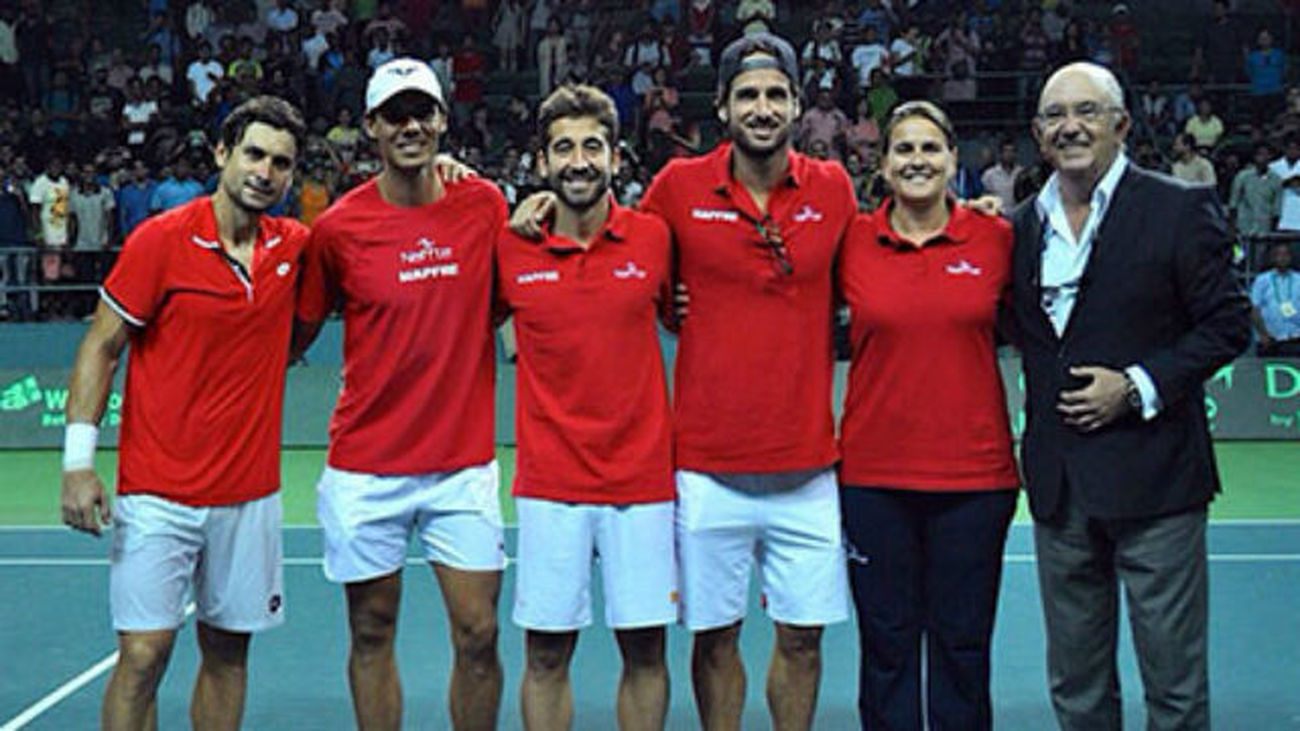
(1261,481)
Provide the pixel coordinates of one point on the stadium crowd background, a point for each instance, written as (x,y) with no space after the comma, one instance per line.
(108,109)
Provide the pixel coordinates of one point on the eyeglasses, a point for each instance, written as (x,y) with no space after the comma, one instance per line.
(1089,113)
(775,245)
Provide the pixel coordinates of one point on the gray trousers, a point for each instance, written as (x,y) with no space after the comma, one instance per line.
(1161,563)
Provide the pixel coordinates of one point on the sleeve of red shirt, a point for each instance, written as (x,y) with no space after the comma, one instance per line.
(136,286)
(665,299)
(655,199)
(317,286)
(1005,325)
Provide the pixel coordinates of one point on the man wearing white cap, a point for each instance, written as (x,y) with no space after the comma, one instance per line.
(407,257)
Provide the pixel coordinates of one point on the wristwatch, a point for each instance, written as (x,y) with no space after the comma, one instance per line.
(1131,394)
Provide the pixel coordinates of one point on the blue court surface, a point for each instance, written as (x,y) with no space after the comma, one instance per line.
(56,645)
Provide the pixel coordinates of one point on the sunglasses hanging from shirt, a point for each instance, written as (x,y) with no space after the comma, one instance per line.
(770,238)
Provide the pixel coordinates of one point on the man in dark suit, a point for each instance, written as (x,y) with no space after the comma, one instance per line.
(1124,302)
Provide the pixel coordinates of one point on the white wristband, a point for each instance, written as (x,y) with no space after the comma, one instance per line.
(79,441)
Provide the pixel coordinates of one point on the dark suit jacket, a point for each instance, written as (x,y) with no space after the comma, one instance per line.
(1158,292)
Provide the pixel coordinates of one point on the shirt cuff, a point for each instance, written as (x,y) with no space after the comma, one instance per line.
(1146,388)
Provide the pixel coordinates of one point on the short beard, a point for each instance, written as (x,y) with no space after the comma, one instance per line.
(580,206)
(779,145)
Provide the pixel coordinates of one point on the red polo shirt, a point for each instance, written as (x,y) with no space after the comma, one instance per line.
(592,415)
(754,360)
(926,408)
(205,369)
(418,346)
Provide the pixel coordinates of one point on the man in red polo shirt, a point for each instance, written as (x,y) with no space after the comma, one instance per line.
(411,440)
(204,295)
(595,471)
(757,228)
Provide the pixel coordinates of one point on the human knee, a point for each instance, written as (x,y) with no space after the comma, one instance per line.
(226,649)
(475,638)
(717,646)
(799,644)
(642,650)
(144,656)
(548,656)
(373,629)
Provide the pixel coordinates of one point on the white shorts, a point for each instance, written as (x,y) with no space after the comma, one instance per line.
(557,542)
(792,531)
(368,520)
(229,555)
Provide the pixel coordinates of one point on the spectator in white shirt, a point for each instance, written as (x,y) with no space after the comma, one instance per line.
(1000,178)
(198,18)
(155,66)
(203,74)
(868,55)
(329,19)
(904,52)
(1287,169)
(282,18)
(1189,164)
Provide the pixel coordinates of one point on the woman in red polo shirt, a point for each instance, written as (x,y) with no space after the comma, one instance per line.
(929,481)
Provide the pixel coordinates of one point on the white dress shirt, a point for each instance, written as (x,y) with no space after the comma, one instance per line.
(1065,258)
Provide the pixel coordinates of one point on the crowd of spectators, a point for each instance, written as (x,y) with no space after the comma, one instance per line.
(105,122)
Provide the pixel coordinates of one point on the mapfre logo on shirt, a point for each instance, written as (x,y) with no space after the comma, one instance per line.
(714,215)
(425,260)
(630,271)
(537,277)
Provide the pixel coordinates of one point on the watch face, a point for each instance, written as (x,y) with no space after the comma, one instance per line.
(1134,398)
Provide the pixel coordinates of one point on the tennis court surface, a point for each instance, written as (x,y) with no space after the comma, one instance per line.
(56,644)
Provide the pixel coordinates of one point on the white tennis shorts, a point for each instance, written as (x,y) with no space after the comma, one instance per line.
(229,556)
(557,544)
(792,532)
(368,520)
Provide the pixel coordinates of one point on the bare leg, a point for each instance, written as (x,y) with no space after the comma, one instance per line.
(793,677)
(643,689)
(130,700)
(372,666)
(546,696)
(218,701)
(471,598)
(718,677)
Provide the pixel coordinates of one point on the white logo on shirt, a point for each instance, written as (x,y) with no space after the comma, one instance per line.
(807,213)
(546,275)
(712,214)
(430,261)
(964,267)
(283,269)
(425,251)
(630,270)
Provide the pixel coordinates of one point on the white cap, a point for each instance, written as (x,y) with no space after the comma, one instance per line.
(399,75)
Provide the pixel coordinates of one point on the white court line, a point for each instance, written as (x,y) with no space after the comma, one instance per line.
(44,562)
(1224,522)
(73,562)
(56,696)
(1214,558)
(294,527)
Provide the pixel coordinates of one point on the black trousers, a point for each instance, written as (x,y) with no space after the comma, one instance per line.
(925,565)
